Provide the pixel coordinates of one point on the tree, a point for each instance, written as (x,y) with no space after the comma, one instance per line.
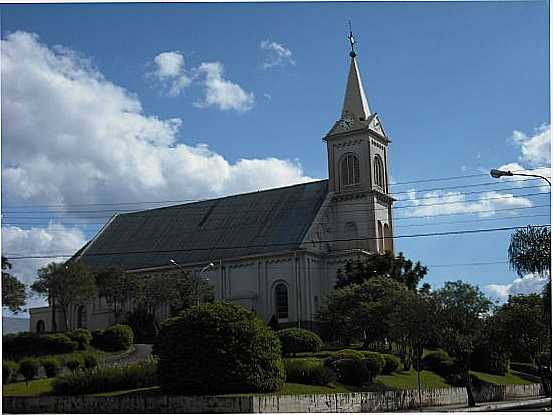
(399,269)
(65,285)
(523,329)
(412,326)
(13,291)
(118,288)
(460,308)
(361,310)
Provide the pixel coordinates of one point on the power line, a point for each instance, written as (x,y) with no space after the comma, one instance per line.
(420,235)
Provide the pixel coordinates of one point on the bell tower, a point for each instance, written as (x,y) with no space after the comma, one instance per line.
(357,147)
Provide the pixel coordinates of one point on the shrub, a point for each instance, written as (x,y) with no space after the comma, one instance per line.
(309,371)
(73,363)
(21,345)
(347,354)
(391,364)
(51,365)
(90,361)
(96,338)
(490,361)
(115,338)
(28,367)
(58,343)
(107,379)
(9,371)
(351,371)
(82,337)
(218,348)
(295,340)
(438,362)
(374,362)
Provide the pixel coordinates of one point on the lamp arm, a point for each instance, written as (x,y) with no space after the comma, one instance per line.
(533,175)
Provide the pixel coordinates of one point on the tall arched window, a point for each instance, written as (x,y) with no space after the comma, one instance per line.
(81,317)
(380,240)
(388,241)
(350,170)
(281,301)
(378,171)
(40,326)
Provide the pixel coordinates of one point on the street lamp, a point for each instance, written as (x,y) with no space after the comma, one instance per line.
(197,278)
(496,174)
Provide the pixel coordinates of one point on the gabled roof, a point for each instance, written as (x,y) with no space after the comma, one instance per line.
(246,224)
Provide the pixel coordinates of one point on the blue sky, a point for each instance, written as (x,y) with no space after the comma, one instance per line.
(460,87)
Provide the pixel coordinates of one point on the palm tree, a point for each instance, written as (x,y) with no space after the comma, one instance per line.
(530,251)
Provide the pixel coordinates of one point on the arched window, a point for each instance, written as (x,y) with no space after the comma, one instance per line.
(378,172)
(350,170)
(380,240)
(281,301)
(81,317)
(40,326)
(388,241)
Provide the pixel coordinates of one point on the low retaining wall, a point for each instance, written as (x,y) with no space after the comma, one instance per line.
(338,402)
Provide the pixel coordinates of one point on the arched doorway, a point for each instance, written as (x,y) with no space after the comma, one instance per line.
(81,316)
(40,326)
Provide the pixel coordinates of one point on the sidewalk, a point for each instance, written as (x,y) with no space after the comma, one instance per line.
(528,403)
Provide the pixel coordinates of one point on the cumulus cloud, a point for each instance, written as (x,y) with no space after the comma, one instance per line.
(55,239)
(221,92)
(170,70)
(275,54)
(535,150)
(527,285)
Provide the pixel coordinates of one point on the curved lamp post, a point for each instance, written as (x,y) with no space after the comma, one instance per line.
(197,278)
(496,174)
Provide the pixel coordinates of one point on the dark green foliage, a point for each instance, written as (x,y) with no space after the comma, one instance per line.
(83,337)
(218,348)
(114,338)
(90,361)
(374,362)
(143,324)
(96,338)
(438,361)
(73,363)
(51,365)
(489,360)
(28,367)
(138,375)
(352,371)
(9,371)
(391,364)
(296,340)
(309,371)
(17,346)
(530,250)
(347,354)
(13,291)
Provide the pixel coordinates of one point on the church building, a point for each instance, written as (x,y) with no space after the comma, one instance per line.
(275,251)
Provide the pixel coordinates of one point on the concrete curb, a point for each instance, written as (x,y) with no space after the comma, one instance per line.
(498,406)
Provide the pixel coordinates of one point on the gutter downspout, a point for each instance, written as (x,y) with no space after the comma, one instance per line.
(298,311)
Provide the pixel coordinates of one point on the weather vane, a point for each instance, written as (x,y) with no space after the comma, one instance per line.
(351,42)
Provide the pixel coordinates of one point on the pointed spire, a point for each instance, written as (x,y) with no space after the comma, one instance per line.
(355,101)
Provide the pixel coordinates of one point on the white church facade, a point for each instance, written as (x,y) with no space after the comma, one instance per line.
(276,251)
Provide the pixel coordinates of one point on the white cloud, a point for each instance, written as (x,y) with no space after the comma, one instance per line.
(527,285)
(54,239)
(442,202)
(221,92)
(535,150)
(276,54)
(170,70)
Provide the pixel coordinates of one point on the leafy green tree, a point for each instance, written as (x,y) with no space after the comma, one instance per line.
(523,329)
(118,288)
(361,310)
(399,269)
(65,285)
(460,308)
(13,291)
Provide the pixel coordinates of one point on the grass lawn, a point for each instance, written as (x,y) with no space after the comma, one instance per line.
(408,380)
(34,388)
(510,378)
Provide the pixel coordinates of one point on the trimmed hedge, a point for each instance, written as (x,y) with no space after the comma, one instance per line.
(10,370)
(51,365)
(17,346)
(114,338)
(296,340)
(374,362)
(308,371)
(351,371)
(348,354)
(28,367)
(391,364)
(218,348)
(107,379)
(83,337)
(439,362)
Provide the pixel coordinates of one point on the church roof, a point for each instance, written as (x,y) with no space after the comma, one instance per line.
(355,100)
(234,226)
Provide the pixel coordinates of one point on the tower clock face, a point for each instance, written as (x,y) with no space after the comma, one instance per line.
(346,123)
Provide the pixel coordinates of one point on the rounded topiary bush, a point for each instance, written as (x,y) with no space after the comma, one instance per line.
(57,343)
(83,337)
(308,371)
(296,340)
(374,362)
(351,371)
(218,348)
(115,338)
(391,364)
(28,367)
(438,361)
(51,366)
(9,371)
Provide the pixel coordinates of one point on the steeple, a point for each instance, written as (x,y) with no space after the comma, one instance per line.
(355,101)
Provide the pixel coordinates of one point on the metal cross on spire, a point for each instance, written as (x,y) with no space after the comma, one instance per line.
(351,42)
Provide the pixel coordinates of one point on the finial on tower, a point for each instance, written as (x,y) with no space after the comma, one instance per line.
(351,42)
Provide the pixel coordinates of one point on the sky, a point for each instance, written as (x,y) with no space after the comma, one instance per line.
(127,103)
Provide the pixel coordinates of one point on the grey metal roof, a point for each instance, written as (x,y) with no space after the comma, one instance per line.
(246,224)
